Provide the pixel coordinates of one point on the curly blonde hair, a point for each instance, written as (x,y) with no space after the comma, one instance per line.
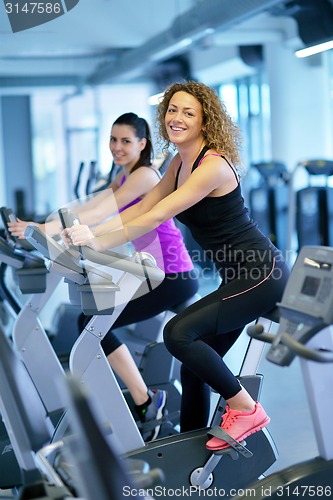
(220,132)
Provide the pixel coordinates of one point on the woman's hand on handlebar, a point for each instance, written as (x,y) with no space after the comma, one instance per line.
(66,239)
(18,228)
(80,235)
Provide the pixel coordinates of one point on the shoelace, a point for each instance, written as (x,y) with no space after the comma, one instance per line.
(228,419)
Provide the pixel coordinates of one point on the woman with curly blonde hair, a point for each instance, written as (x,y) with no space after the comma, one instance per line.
(201,188)
(220,132)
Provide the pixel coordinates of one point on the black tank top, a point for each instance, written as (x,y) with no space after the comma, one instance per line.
(223,228)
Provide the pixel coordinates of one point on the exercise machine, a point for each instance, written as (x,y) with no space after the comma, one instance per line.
(306,318)
(27,424)
(9,469)
(67,265)
(311,207)
(269,200)
(64,328)
(29,401)
(10,305)
(144,340)
(158,368)
(89,181)
(95,470)
(34,354)
(314,206)
(94,181)
(32,342)
(184,459)
(101,473)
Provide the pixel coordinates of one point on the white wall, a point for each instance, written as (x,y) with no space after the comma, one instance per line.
(300,113)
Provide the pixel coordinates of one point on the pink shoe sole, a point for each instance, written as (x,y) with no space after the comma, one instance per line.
(215,444)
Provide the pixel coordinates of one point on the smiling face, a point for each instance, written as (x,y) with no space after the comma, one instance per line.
(125,146)
(184,119)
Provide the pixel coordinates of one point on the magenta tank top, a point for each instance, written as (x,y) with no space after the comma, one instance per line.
(165,243)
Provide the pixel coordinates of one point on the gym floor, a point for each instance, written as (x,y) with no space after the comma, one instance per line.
(283,397)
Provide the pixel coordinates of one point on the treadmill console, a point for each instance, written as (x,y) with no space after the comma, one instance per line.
(307,302)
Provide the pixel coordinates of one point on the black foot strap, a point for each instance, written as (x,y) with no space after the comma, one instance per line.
(168,420)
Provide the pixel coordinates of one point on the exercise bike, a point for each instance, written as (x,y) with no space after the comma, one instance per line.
(39,361)
(306,319)
(184,459)
(144,340)
(63,330)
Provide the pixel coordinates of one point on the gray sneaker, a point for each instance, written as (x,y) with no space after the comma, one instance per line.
(154,412)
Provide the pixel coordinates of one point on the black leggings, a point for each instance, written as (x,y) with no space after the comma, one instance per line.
(174,289)
(202,334)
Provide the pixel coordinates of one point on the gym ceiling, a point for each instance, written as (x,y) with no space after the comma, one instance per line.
(109,41)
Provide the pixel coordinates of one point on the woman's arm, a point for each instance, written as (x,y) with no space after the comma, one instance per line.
(161,204)
(18,227)
(103,205)
(99,206)
(162,189)
(117,196)
(53,226)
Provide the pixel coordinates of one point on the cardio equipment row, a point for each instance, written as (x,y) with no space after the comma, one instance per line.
(293,208)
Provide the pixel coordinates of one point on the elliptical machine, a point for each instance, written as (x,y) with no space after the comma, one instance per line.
(306,318)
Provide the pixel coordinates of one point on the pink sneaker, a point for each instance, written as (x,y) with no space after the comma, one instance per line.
(239,425)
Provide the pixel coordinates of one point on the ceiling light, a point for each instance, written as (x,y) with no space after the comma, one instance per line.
(314,49)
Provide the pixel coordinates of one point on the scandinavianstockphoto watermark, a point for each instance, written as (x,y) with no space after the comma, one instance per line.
(24,14)
(250,263)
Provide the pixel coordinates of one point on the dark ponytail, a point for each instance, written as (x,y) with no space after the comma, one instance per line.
(142,131)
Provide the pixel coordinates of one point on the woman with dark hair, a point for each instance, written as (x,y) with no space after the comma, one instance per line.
(131,148)
(202,188)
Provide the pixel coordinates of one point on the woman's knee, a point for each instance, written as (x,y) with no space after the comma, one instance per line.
(110,343)
(173,335)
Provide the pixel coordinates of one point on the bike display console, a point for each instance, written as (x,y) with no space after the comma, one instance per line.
(307,302)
